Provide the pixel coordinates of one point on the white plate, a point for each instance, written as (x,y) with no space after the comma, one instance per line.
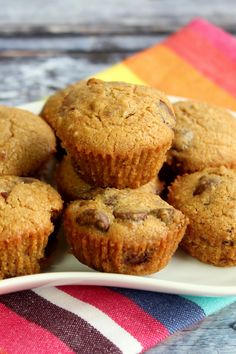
(183,275)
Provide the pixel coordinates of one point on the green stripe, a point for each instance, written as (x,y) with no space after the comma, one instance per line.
(211,304)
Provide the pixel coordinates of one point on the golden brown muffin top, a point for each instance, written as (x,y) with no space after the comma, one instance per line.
(26,205)
(26,142)
(126,212)
(205,136)
(52,106)
(208,199)
(115,117)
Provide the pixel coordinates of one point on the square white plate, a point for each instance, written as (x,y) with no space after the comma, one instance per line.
(183,275)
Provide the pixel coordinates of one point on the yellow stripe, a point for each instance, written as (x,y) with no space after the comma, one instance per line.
(119,72)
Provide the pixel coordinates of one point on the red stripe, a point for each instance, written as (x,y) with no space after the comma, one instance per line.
(18,334)
(123,311)
(205,57)
(215,35)
(64,325)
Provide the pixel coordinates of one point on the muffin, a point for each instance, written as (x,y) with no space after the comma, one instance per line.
(28,208)
(71,186)
(205,136)
(26,142)
(51,108)
(208,199)
(124,231)
(117,134)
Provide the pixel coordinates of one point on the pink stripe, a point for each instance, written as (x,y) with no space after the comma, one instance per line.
(17,335)
(197,51)
(223,41)
(123,311)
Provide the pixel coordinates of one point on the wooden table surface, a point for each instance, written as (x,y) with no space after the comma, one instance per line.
(45,45)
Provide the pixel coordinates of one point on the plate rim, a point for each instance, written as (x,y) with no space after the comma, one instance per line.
(41,280)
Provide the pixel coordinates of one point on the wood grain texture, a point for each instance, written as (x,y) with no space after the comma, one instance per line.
(73,44)
(211,336)
(25,79)
(45,45)
(106,16)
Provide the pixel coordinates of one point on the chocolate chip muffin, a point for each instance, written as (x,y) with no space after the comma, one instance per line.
(208,199)
(205,136)
(26,142)
(71,186)
(124,231)
(117,134)
(28,208)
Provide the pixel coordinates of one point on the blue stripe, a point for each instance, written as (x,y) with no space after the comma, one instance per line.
(173,311)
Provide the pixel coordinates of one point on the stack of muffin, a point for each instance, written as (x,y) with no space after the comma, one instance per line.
(116,137)
(28,207)
(203,155)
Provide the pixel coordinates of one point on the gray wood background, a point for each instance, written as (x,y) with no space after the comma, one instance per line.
(45,45)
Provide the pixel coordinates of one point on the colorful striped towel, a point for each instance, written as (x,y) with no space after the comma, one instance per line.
(197,62)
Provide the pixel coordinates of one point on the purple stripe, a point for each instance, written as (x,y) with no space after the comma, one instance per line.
(75,332)
(173,311)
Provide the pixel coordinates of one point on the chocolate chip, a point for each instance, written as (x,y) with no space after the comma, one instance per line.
(93,217)
(164,214)
(54,215)
(164,106)
(229,243)
(4,195)
(205,183)
(83,202)
(111,200)
(183,139)
(136,259)
(130,215)
(3,156)
(28,180)
(170,118)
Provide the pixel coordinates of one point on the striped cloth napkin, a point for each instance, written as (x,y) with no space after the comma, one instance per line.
(196,62)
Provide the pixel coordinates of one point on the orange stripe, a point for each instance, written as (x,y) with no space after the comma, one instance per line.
(165,70)
(206,58)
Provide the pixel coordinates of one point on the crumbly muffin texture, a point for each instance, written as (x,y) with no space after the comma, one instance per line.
(124,231)
(28,208)
(208,199)
(72,186)
(117,134)
(205,136)
(26,142)
(138,115)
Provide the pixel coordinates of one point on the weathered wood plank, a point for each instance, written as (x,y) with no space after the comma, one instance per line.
(74,44)
(28,79)
(37,66)
(213,335)
(117,16)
